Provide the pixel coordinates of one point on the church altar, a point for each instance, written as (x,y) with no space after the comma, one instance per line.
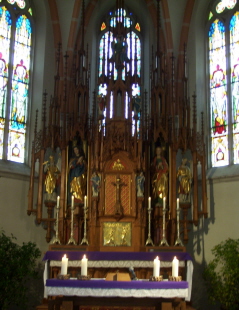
(113,259)
(101,294)
(102,288)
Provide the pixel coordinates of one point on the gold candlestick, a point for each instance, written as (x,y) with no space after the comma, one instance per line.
(164,240)
(84,240)
(55,239)
(149,241)
(72,240)
(178,240)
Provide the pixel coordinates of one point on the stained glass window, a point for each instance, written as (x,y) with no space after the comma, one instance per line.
(210,16)
(15,56)
(126,51)
(5,40)
(223,43)
(103,26)
(137,27)
(20,3)
(225,4)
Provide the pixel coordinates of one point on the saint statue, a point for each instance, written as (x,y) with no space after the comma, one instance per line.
(160,176)
(136,104)
(95,182)
(119,50)
(77,175)
(140,184)
(185,179)
(52,174)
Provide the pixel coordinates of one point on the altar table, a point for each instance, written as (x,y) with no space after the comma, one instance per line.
(101,292)
(119,260)
(103,288)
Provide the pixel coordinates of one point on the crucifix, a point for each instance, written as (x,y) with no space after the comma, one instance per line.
(117,206)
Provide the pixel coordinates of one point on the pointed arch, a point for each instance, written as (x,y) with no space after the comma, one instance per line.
(223,61)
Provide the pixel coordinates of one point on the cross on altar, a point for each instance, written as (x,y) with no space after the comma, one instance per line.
(118,184)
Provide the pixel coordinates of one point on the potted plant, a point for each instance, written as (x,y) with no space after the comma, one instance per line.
(17,268)
(222,275)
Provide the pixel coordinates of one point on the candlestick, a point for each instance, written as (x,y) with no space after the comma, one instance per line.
(149,241)
(84,240)
(64,265)
(164,240)
(175,267)
(156,271)
(72,240)
(84,263)
(178,240)
(55,239)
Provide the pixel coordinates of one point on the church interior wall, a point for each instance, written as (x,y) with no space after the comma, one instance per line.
(176,11)
(223,194)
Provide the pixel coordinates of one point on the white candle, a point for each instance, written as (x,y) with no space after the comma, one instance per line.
(164,203)
(175,267)
(72,201)
(84,262)
(149,204)
(58,201)
(177,203)
(156,267)
(85,201)
(64,265)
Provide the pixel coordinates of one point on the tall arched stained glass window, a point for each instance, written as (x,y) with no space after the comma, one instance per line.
(223,44)
(15,56)
(234,50)
(119,57)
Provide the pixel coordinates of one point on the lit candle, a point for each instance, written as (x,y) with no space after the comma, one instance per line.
(164,203)
(149,205)
(175,267)
(58,201)
(64,265)
(177,203)
(156,267)
(84,262)
(72,201)
(85,201)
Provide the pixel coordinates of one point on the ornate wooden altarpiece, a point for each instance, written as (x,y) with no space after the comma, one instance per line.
(110,157)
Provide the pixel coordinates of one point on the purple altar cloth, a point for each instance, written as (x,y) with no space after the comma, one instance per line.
(117,256)
(103,284)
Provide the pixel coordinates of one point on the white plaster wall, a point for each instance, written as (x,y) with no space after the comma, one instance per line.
(223,194)
(14,186)
(13,213)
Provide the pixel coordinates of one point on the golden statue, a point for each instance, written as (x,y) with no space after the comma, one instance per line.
(52,174)
(185,179)
(77,175)
(160,176)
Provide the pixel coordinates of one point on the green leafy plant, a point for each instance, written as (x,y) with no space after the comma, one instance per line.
(17,268)
(222,275)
